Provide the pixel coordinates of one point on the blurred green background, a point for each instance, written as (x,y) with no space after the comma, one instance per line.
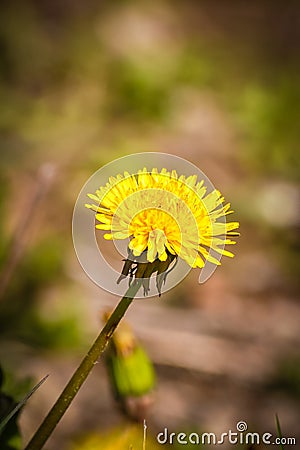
(214,82)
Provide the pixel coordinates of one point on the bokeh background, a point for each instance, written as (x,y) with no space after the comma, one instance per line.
(214,82)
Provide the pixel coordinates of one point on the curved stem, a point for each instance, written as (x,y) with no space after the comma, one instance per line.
(66,397)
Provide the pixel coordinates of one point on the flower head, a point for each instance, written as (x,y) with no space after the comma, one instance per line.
(165,216)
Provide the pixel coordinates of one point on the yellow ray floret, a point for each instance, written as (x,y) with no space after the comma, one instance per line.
(162,213)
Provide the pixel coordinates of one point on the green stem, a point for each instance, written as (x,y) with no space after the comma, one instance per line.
(81,373)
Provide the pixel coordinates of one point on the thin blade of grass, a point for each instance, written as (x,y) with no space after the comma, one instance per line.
(21,403)
(144,435)
(279,430)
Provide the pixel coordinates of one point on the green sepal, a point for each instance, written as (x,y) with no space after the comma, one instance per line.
(131,375)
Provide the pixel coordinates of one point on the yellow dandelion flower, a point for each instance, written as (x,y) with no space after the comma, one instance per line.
(164,216)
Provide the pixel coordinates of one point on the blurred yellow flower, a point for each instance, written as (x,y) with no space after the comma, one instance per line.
(164,215)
